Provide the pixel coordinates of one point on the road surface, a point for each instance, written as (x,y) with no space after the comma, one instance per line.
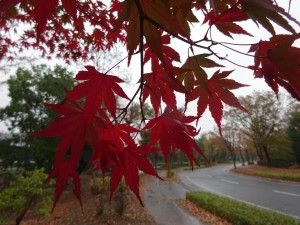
(160,199)
(280,196)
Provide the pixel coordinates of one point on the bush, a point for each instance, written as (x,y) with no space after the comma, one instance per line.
(101,189)
(26,192)
(282,157)
(282,154)
(99,186)
(238,213)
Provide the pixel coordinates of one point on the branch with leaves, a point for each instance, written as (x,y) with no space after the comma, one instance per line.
(73,29)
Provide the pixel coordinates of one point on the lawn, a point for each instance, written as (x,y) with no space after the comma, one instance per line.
(236,212)
(291,174)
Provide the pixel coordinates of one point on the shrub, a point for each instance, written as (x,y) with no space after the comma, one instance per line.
(238,213)
(100,187)
(26,192)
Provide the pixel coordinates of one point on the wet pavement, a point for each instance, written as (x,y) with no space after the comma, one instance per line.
(160,201)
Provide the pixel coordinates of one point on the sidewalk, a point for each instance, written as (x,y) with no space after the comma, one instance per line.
(160,201)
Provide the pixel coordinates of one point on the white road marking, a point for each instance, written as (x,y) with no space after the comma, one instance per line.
(228,196)
(286,193)
(229,181)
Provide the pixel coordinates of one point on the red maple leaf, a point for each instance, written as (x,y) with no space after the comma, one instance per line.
(277,61)
(152,12)
(61,172)
(109,148)
(172,131)
(160,85)
(97,88)
(134,160)
(167,57)
(224,22)
(72,128)
(216,92)
(264,11)
(44,10)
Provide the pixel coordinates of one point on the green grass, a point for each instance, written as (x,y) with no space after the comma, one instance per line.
(284,176)
(238,213)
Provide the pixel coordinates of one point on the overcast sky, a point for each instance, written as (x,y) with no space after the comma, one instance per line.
(241,75)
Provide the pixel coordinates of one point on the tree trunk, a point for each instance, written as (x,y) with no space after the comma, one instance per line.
(242,157)
(233,158)
(259,154)
(169,171)
(247,156)
(266,153)
(21,216)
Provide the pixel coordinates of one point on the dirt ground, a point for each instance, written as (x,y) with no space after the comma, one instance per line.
(203,215)
(68,210)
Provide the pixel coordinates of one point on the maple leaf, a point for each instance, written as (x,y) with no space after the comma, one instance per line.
(161,14)
(118,134)
(155,15)
(160,85)
(134,160)
(44,10)
(71,127)
(168,55)
(264,11)
(97,88)
(61,172)
(172,131)
(70,7)
(217,92)
(224,22)
(130,14)
(193,73)
(110,145)
(277,61)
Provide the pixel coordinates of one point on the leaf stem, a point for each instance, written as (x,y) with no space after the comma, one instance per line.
(237,51)
(116,64)
(142,15)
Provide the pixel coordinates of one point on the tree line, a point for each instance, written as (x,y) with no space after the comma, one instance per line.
(268,133)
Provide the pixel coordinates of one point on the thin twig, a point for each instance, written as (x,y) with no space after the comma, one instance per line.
(141,55)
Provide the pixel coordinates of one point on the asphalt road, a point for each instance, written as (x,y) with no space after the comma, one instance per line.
(280,196)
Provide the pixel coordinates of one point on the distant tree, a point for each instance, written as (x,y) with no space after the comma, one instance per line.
(28,90)
(230,138)
(213,147)
(281,154)
(264,118)
(293,132)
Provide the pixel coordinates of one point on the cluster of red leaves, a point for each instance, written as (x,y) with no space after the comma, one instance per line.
(71,29)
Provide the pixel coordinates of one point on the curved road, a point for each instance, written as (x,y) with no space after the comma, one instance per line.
(280,196)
